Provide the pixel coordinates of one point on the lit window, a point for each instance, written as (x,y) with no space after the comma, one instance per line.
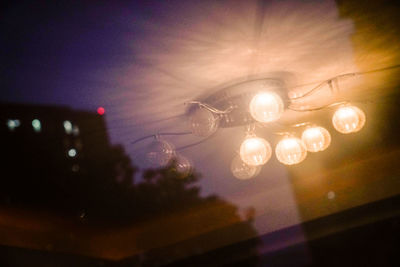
(75,130)
(75,168)
(68,127)
(12,124)
(37,126)
(72,152)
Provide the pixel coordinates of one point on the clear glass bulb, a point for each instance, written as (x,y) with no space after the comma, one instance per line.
(290,150)
(203,122)
(255,151)
(316,138)
(159,153)
(183,165)
(242,170)
(348,119)
(266,107)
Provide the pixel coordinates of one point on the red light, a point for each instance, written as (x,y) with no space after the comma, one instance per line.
(101,111)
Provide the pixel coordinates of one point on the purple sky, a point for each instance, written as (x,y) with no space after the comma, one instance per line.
(52,51)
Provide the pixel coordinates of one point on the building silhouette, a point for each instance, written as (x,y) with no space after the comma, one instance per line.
(62,176)
(54,157)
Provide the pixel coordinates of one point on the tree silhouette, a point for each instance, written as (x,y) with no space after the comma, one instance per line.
(190,228)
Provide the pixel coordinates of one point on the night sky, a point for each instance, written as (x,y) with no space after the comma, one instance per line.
(61,53)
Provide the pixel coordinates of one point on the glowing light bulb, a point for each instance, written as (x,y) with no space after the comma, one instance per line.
(316,138)
(348,119)
(266,107)
(255,151)
(242,170)
(203,122)
(290,150)
(159,153)
(183,165)
(72,152)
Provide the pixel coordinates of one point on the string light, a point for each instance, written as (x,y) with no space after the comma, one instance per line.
(266,107)
(203,122)
(242,170)
(231,107)
(290,151)
(348,119)
(255,151)
(183,165)
(159,153)
(316,138)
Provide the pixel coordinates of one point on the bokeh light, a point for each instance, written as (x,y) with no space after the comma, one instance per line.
(101,111)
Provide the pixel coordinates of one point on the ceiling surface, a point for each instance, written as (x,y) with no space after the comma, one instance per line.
(143,61)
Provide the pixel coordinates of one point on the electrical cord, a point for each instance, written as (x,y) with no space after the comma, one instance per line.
(158,134)
(319,86)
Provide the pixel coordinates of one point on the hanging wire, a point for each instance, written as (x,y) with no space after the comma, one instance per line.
(143,138)
(320,107)
(196,143)
(329,81)
(159,134)
(178,133)
(297,125)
